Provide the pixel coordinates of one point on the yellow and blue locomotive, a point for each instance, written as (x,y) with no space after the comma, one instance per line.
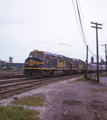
(40,63)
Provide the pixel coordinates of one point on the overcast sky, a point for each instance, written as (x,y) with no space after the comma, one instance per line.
(50,25)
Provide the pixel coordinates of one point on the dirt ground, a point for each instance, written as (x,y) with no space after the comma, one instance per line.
(68,100)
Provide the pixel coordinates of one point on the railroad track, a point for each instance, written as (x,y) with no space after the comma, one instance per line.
(15,86)
(10,76)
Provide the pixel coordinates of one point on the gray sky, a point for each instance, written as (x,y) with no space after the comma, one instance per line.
(50,25)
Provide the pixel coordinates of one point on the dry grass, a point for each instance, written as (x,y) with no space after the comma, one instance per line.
(98,90)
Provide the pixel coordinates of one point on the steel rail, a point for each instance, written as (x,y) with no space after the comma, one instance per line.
(28,87)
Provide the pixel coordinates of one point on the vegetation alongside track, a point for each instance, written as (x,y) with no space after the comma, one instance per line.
(29,101)
(84,79)
(103,75)
(17,113)
(80,79)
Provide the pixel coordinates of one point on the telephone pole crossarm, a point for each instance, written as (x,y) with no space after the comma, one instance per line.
(96,23)
(97,27)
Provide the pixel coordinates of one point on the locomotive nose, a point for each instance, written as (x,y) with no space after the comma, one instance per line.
(33,61)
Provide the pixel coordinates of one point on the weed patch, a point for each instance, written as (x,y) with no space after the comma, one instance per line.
(17,113)
(103,75)
(94,80)
(80,79)
(29,101)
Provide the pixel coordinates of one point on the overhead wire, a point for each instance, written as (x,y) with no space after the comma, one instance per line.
(105,22)
(82,30)
(81,25)
(79,6)
(76,18)
(78,22)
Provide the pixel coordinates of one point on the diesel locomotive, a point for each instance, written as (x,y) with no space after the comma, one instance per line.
(41,63)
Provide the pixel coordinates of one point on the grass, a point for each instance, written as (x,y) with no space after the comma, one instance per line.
(80,79)
(93,79)
(29,101)
(103,75)
(17,113)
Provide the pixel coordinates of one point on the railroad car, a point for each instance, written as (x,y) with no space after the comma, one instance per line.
(93,68)
(103,67)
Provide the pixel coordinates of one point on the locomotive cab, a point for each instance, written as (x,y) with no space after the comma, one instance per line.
(34,63)
(38,54)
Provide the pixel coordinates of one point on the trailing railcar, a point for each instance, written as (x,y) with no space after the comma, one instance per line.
(103,68)
(93,67)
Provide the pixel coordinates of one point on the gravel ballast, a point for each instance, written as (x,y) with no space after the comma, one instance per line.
(68,100)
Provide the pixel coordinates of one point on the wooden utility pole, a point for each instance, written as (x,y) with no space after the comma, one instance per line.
(105,55)
(101,65)
(96,26)
(87,62)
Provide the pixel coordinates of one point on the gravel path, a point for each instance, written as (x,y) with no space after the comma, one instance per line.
(68,100)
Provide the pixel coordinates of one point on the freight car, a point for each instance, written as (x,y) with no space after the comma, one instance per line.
(40,63)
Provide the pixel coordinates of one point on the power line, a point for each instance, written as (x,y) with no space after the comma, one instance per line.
(104,22)
(76,18)
(81,26)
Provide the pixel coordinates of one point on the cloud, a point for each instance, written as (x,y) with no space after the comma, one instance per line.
(64,43)
(41,41)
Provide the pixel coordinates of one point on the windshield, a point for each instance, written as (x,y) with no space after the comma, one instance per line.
(40,56)
(31,55)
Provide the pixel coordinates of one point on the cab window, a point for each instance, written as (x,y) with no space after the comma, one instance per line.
(40,56)
(31,55)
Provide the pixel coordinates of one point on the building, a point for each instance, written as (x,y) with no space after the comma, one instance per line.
(92,60)
(16,65)
(10,59)
(2,63)
(102,62)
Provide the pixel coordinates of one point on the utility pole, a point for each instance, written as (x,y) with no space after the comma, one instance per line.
(96,26)
(105,55)
(101,65)
(87,62)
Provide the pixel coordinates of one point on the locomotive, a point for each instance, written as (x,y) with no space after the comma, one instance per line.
(41,63)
